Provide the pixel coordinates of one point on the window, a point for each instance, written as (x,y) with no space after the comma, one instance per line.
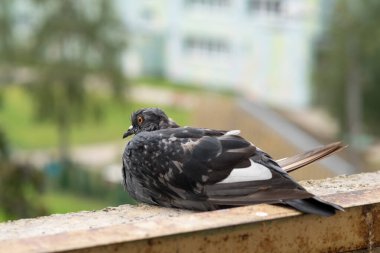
(265,6)
(147,14)
(205,46)
(254,5)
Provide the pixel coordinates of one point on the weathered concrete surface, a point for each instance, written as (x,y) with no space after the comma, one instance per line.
(99,230)
(124,214)
(340,184)
(62,223)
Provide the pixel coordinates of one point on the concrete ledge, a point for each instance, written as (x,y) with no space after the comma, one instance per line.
(259,228)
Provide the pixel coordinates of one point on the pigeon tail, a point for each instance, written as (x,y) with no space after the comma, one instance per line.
(295,162)
(314,206)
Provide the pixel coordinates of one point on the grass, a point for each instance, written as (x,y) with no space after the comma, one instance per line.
(61,202)
(2,216)
(23,130)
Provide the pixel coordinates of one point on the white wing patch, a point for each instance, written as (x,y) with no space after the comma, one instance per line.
(233,132)
(255,172)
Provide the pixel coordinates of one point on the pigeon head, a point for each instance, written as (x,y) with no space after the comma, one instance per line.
(149,119)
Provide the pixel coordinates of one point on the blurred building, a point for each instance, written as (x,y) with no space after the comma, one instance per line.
(261,48)
(148,32)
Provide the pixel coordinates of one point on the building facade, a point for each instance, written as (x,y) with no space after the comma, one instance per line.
(261,48)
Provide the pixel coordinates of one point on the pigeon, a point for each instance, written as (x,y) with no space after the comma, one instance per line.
(205,169)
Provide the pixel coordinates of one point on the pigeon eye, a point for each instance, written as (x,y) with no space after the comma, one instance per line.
(140,120)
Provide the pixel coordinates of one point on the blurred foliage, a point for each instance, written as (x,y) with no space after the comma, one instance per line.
(62,51)
(12,51)
(7,49)
(20,184)
(76,46)
(20,187)
(350,47)
(4,152)
(66,202)
(81,182)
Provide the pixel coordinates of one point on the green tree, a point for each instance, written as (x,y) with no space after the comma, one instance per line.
(20,190)
(346,68)
(20,187)
(75,44)
(7,50)
(20,184)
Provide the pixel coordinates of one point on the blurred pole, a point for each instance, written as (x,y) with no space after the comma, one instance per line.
(354,101)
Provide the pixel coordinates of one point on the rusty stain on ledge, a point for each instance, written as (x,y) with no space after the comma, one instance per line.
(258,228)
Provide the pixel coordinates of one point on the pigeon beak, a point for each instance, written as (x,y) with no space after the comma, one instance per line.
(129,132)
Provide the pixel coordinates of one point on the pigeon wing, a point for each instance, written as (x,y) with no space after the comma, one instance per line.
(271,185)
(234,172)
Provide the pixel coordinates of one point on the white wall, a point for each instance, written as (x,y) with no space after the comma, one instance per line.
(264,53)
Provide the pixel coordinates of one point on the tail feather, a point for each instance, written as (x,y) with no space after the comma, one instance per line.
(314,206)
(295,162)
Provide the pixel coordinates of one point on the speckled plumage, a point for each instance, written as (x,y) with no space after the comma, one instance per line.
(200,169)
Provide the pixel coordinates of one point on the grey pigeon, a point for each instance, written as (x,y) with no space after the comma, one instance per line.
(205,169)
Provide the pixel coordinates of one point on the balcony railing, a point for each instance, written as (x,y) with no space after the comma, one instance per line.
(258,228)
